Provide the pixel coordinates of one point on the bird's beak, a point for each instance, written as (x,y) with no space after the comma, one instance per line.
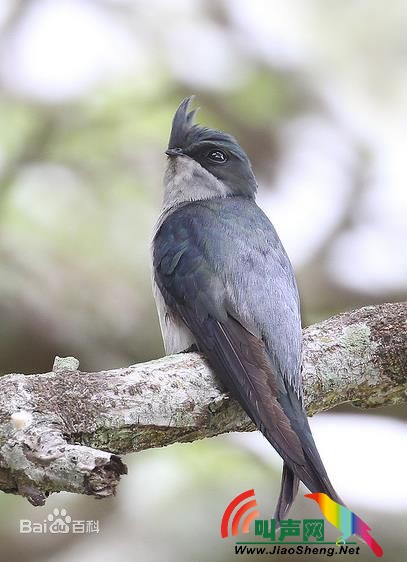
(174,152)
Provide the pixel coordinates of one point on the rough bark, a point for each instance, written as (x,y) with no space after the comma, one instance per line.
(56,428)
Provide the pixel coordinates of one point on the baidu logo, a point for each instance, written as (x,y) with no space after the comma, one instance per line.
(59,522)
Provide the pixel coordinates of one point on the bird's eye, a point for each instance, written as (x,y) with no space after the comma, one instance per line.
(217,156)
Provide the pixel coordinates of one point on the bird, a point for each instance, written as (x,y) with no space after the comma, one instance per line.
(345,520)
(224,286)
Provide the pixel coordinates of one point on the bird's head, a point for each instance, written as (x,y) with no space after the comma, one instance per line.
(209,155)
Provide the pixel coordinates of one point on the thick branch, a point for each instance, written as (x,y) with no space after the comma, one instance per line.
(55,427)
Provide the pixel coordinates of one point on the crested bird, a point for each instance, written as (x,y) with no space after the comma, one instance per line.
(224,285)
(345,520)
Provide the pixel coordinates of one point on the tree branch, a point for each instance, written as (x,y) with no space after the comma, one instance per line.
(55,428)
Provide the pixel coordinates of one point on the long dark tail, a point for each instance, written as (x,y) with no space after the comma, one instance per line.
(288,491)
(312,473)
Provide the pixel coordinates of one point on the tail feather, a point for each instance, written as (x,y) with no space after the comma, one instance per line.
(316,477)
(312,473)
(289,489)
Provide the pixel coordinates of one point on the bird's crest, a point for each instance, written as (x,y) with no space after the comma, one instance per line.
(185,132)
(181,124)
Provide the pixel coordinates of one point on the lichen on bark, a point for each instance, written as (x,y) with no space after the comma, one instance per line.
(65,430)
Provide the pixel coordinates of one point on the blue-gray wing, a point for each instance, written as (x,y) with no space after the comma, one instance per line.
(227,254)
(207,275)
(221,269)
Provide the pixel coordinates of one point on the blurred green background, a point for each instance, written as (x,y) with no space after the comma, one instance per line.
(316,93)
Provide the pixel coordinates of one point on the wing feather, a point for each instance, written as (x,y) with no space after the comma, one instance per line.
(206,291)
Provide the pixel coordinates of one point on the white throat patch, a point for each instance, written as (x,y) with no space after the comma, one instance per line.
(186,180)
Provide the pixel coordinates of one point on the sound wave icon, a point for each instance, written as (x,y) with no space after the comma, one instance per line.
(224,527)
